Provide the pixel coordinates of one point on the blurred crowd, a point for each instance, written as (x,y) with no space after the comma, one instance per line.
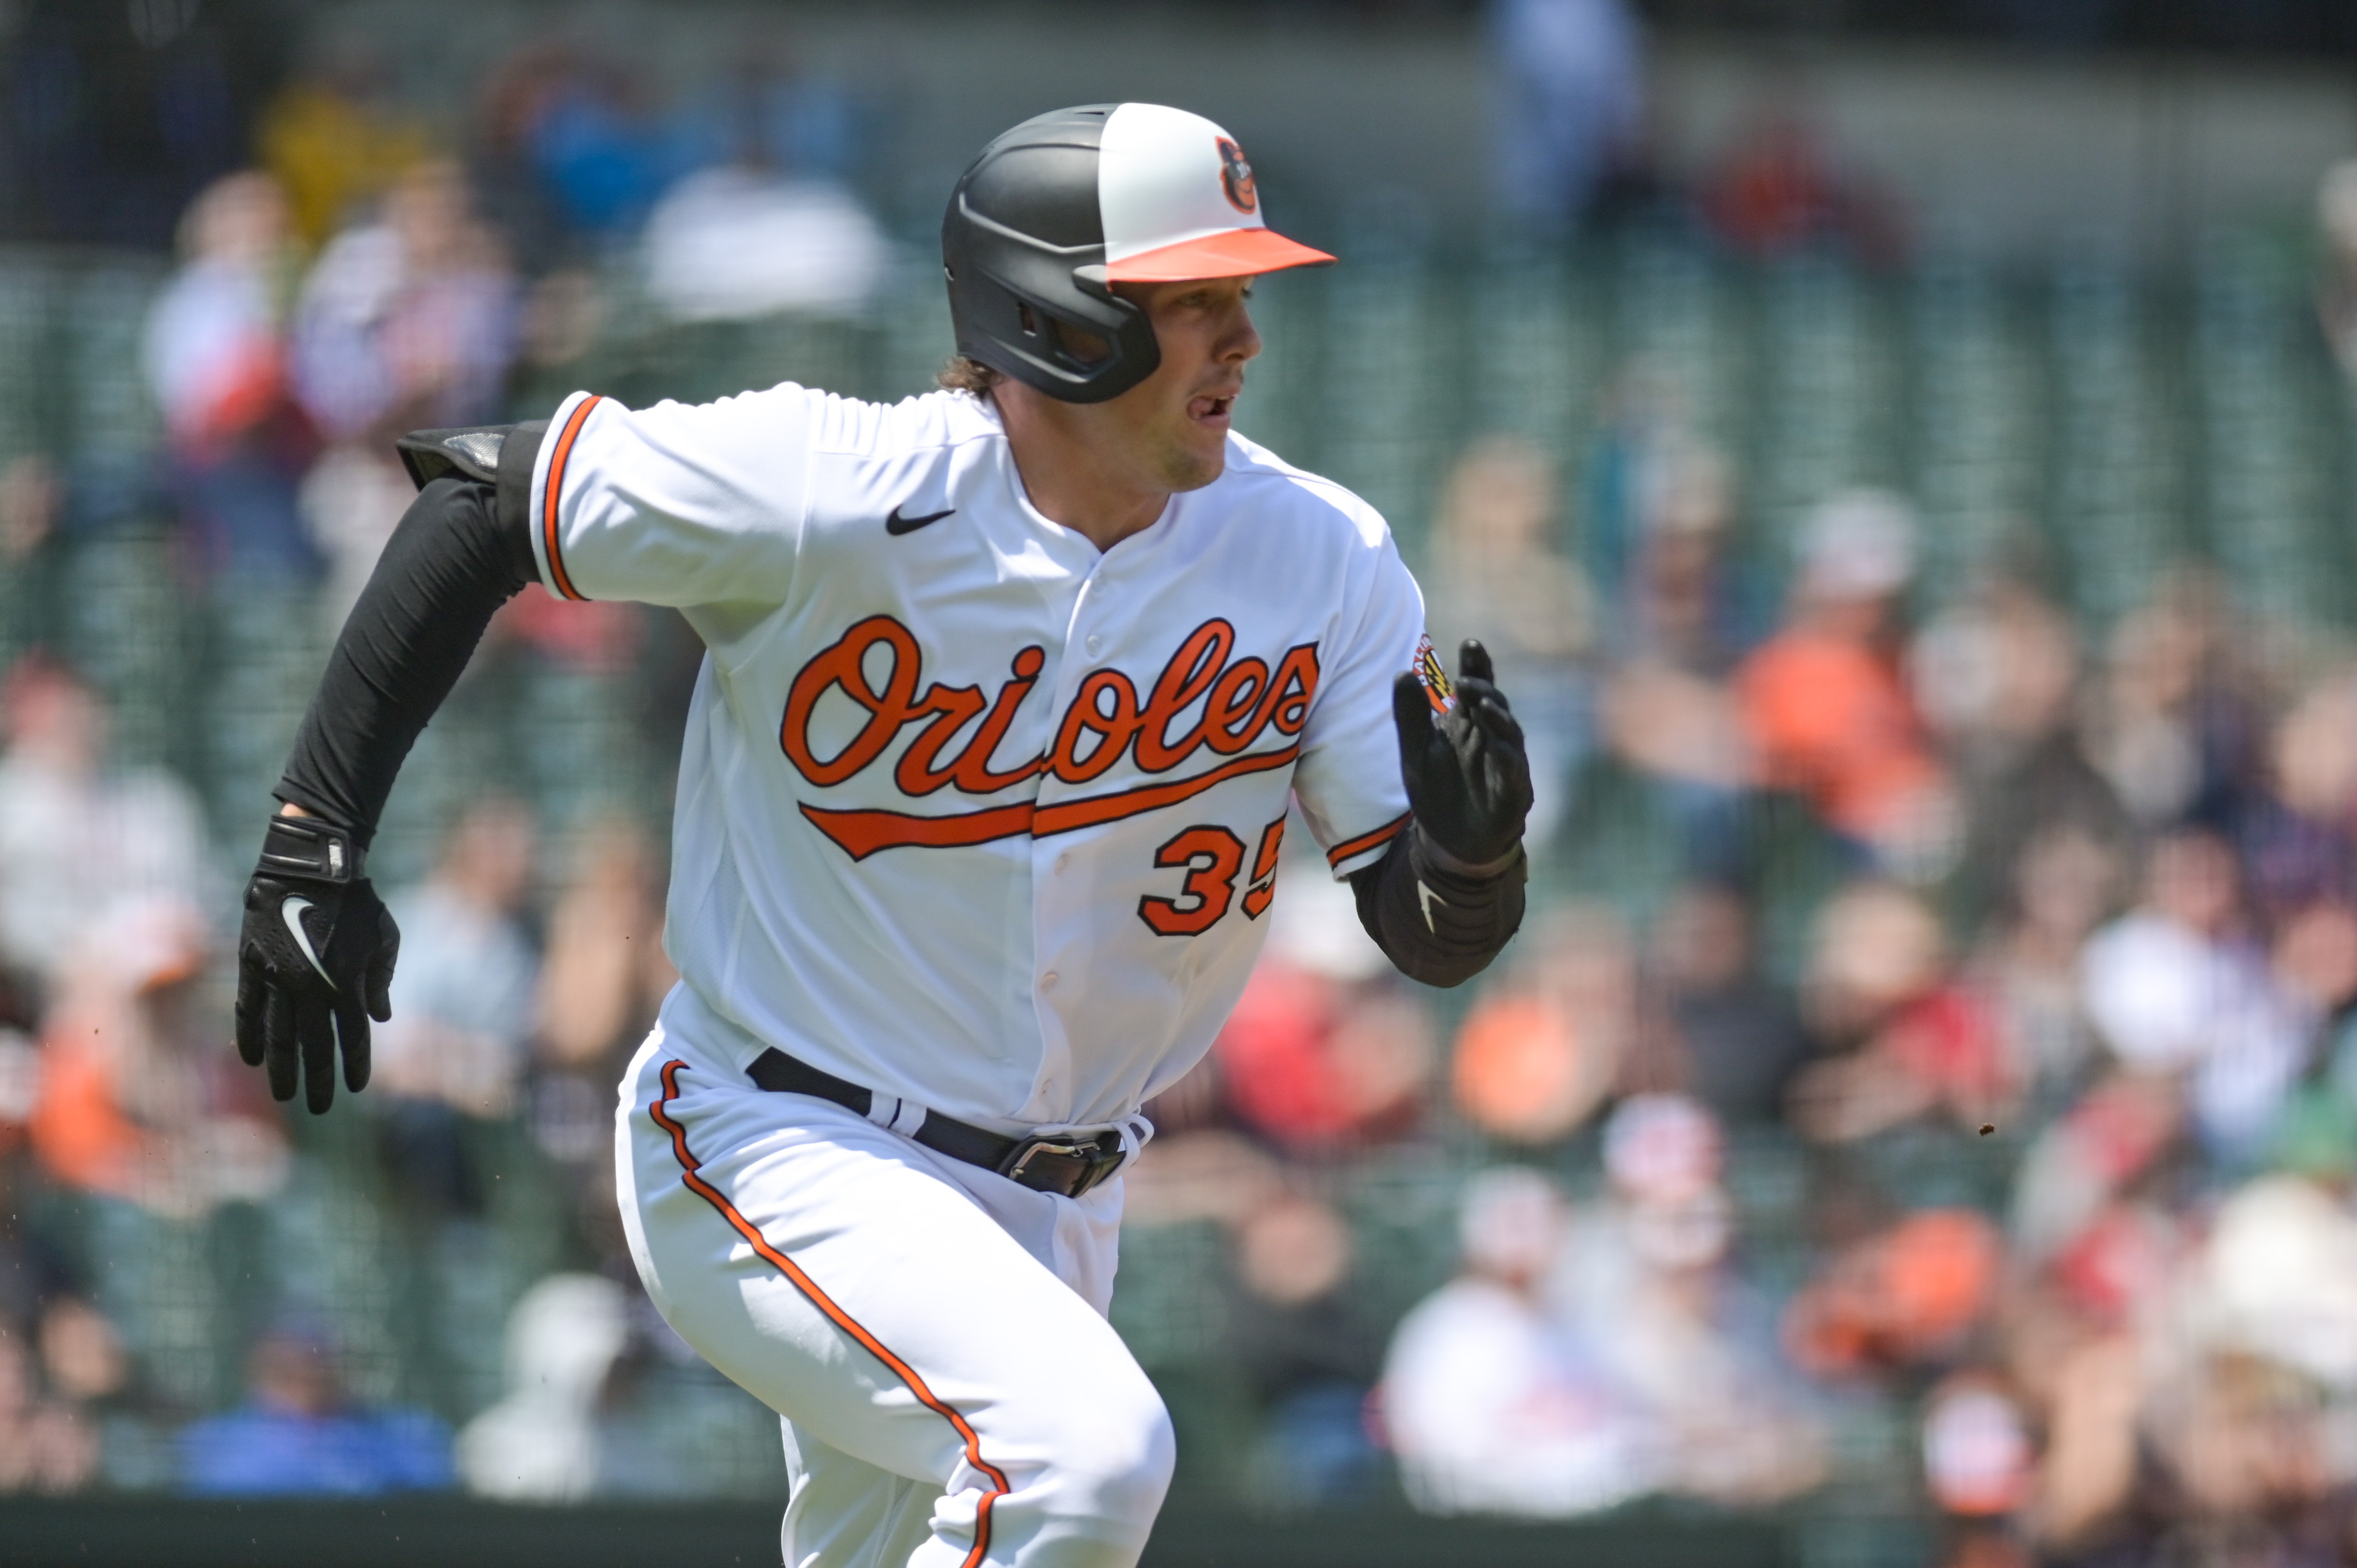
(2052,1044)
(1926,1084)
(365,276)
(366,280)
(124,1115)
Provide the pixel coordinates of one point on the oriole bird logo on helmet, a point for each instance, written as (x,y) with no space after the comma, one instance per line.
(1236,176)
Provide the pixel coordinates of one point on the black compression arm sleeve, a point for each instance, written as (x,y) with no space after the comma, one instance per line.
(449,567)
(1437,920)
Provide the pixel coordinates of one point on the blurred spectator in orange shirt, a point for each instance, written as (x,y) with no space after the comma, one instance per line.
(1907,1295)
(1825,702)
(139,1100)
(1541,1051)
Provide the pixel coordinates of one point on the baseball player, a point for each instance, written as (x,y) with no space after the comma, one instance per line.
(1006,690)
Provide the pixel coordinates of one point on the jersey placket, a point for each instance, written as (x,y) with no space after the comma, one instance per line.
(1056,879)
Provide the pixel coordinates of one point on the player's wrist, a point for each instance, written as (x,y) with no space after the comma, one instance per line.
(1436,859)
(300,846)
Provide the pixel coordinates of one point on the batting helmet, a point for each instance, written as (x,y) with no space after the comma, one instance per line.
(1067,204)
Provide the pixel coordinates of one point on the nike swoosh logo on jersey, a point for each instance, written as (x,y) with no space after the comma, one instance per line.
(293,912)
(896,525)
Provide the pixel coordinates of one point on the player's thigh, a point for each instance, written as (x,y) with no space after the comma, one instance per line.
(871,1303)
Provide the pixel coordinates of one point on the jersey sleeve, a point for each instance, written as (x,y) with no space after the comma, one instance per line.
(1348,777)
(676,504)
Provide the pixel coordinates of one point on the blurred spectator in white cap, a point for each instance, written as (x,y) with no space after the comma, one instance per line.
(1570,103)
(540,1443)
(766,231)
(1825,702)
(735,242)
(1490,1406)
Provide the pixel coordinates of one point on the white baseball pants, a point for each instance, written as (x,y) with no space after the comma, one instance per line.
(933,1334)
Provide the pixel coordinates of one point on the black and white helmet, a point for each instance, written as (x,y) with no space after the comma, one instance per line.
(1067,204)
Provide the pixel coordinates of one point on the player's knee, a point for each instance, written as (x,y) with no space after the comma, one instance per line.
(1117,1464)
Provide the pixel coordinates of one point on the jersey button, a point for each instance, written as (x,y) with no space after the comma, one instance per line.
(1095,642)
(1064,863)
(1048,981)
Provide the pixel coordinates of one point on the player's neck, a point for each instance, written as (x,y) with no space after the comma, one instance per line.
(1072,475)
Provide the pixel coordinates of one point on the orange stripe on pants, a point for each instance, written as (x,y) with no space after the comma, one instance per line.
(689,1165)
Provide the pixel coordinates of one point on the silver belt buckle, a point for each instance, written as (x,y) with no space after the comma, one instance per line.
(1092,1153)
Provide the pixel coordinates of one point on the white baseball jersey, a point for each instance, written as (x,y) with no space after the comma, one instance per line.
(970,812)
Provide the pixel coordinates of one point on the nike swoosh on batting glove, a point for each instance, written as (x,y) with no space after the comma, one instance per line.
(314,963)
(1469,781)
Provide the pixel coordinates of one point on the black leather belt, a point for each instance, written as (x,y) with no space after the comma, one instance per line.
(1047,1163)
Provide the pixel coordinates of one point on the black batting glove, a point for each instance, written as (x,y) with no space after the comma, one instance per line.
(1467,780)
(314,963)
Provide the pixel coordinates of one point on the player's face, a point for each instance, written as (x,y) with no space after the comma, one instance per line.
(1173,423)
